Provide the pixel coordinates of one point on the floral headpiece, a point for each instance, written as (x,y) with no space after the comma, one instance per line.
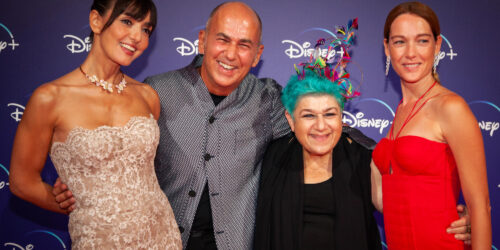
(333,68)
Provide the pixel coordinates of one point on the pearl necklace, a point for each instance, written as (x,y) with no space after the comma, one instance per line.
(104,84)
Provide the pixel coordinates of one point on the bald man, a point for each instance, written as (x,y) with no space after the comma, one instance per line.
(215,124)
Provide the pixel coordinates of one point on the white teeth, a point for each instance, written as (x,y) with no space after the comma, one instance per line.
(128,47)
(229,67)
(411,65)
(320,136)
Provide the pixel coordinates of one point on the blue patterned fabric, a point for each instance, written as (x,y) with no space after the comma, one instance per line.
(221,144)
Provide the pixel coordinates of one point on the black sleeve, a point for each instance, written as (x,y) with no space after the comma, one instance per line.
(269,171)
(358,136)
(363,170)
(364,174)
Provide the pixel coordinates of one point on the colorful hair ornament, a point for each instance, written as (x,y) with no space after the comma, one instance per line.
(333,67)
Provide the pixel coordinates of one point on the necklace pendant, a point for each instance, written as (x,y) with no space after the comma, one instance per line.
(93,79)
(121,85)
(107,86)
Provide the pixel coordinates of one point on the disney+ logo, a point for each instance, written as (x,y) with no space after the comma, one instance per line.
(78,45)
(4,184)
(6,44)
(47,236)
(186,47)
(17,246)
(297,50)
(359,120)
(488,126)
(18,112)
(451,54)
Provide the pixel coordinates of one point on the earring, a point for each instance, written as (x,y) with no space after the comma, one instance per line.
(434,66)
(387,65)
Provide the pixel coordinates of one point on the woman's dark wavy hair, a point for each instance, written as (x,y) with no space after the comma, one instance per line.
(137,9)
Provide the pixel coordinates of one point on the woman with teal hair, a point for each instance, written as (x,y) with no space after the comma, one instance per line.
(322,169)
(311,85)
(315,184)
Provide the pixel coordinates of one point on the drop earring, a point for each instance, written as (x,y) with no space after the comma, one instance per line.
(434,66)
(387,65)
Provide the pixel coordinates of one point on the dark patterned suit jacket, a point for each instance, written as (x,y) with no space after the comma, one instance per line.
(221,144)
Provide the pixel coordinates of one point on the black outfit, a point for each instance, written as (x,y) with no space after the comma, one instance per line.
(280,206)
(319,216)
(202,232)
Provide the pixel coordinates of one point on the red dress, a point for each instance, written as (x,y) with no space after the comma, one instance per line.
(420,195)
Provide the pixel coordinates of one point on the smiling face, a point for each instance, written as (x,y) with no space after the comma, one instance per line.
(412,47)
(317,123)
(125,39)
(231,47)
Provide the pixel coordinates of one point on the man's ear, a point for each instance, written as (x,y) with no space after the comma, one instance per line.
(290,120)
(257,57)
(201,41)
(96,22)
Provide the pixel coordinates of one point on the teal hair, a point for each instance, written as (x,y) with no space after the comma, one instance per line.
(311,84)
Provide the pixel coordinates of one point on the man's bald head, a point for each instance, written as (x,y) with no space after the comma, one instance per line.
(237,6)
(231,45)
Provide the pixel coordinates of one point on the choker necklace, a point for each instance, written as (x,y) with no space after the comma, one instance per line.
(104,84)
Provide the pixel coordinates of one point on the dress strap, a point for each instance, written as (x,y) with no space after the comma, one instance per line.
(412,114)
(391,133)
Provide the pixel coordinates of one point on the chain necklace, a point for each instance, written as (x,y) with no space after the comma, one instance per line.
(104,84)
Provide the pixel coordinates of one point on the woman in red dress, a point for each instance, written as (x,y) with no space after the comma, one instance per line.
(433,148)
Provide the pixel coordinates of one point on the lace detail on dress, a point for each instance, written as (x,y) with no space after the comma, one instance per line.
(119,203)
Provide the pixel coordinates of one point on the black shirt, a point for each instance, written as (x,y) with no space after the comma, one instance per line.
(203,217)
(319,216)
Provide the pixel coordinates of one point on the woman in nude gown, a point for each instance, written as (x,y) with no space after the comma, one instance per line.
(99,127)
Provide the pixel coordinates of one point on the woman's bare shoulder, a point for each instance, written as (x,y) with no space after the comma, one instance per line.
(450,107)
(446,100)
(50,92)
(144,88)
(148,94)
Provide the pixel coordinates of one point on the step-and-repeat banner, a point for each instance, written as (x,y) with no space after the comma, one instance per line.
(42,40)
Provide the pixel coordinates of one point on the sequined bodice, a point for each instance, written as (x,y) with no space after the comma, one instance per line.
(110,171)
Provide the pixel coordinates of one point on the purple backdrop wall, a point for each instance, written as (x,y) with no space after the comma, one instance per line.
(42,40)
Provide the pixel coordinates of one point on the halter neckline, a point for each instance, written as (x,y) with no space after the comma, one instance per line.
(411,114)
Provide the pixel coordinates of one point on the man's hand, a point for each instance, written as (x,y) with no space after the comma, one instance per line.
(461,227)
(63,196)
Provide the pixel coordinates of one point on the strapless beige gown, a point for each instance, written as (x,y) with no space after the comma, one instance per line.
(119,203)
